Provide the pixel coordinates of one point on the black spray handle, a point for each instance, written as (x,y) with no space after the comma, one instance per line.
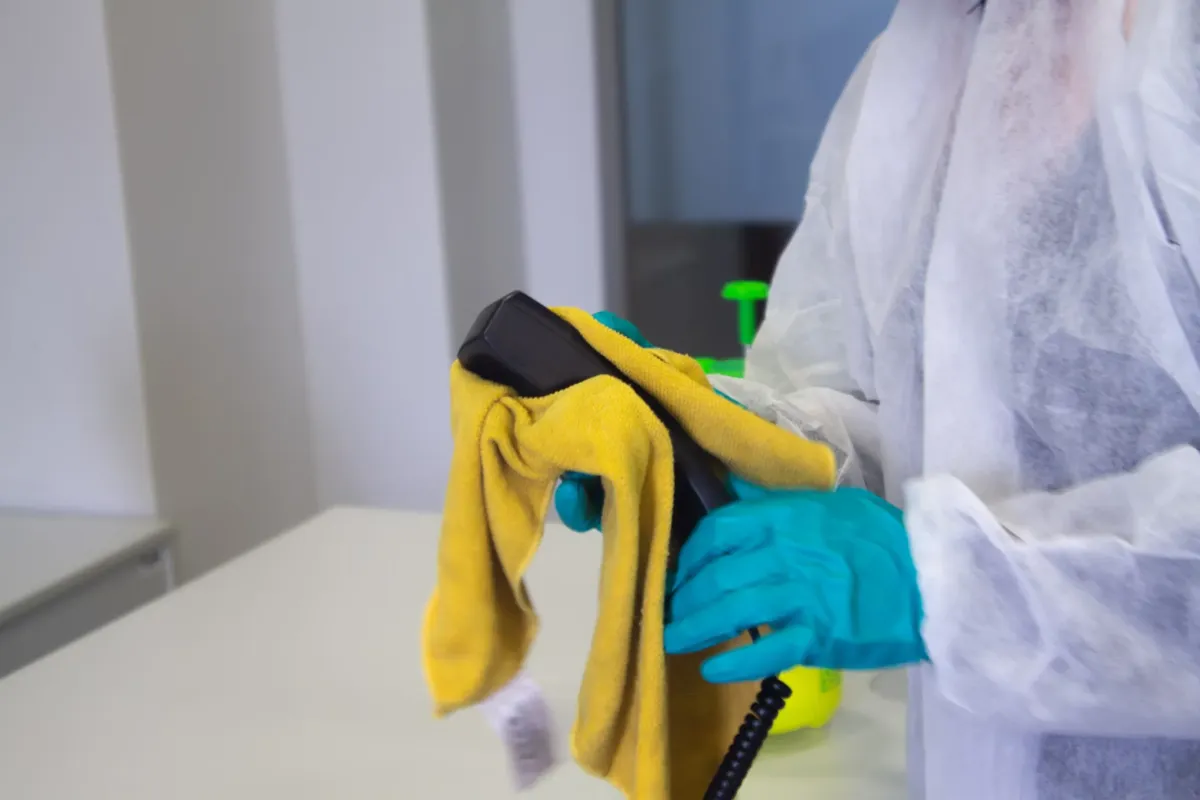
(519,343)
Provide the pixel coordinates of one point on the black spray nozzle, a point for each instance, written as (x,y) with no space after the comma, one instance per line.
(518,342)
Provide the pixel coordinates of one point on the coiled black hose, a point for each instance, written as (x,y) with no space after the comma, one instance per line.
(772,695)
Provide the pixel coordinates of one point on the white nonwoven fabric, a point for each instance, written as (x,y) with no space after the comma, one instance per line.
(992,311)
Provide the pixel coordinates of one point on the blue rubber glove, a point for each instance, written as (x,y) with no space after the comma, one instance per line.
(621,326)
(830,573)
(579,500)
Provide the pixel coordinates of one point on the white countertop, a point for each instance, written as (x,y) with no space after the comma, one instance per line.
(42,554)
(294,673)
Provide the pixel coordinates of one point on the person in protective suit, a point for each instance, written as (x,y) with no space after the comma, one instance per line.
(991,311)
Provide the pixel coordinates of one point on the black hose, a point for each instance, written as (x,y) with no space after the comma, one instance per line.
(751,736)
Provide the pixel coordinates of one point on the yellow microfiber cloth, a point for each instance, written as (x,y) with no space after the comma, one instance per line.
(647,722)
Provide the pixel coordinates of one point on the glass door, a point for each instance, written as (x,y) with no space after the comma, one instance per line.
(722,104)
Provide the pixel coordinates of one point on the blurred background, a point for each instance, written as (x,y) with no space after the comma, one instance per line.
(240,239)
(722,105)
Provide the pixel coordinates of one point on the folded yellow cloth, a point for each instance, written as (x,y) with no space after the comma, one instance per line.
(647,722)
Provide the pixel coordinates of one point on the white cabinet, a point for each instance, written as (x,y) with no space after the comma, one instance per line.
(64,576)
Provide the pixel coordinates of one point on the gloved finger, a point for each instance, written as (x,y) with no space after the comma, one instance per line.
(770,655)
(737,527)
(579,501)
(733,573)
(621,326)
(736,613)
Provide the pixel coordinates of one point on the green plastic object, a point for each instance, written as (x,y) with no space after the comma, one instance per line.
(733,367)
(746,294)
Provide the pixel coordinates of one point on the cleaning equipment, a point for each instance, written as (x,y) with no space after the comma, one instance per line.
(816,696)
(747,295)
(816,693)
(536,393)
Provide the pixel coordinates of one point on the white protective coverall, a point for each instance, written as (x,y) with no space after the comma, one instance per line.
(992,311)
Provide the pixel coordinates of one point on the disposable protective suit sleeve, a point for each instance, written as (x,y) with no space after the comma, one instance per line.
(810,367)
(1069,612)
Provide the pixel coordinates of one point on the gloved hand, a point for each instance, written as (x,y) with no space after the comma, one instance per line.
(829,572)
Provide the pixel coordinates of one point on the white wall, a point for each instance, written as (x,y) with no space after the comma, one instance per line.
(319,197)
(358,104)
(554,68)
(206,187)
(440,154)
(470,53)
(72,418)
(518,138)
